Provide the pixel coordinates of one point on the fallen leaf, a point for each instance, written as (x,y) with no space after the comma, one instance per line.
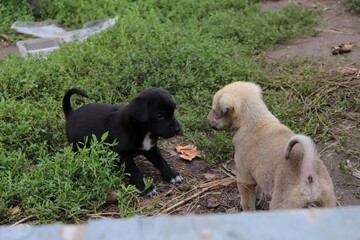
(348,70)
(179,148)
(15,210)
(342,48)
(188,152)
(209,176)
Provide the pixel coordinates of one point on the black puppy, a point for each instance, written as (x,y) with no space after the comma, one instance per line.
(136,127)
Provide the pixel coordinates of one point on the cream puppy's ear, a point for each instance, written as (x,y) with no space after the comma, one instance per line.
(224,105)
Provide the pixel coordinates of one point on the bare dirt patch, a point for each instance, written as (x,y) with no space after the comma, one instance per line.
(340,164)
(335,27)
(7,48)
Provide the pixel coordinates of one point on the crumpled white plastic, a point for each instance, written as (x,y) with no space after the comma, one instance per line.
(48,29)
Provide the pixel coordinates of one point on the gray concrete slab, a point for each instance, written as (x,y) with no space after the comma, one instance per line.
(309,224)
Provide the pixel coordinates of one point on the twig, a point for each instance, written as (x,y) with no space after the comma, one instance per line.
(334,136)
(192,206)
(203,188)
(334,31)
(228,171)
(184,200)
(102,214)
(297,92)
(22,220)
(327,147)
(172,200)
(219,183)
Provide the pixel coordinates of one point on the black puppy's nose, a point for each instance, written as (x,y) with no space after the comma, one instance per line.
(177,129)
(177,126)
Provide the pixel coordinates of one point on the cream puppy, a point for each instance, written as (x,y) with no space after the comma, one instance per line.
(268,154)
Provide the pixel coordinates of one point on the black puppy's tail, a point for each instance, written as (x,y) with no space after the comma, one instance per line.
(66,100)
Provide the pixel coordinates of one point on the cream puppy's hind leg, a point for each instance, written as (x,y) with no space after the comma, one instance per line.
(247,196)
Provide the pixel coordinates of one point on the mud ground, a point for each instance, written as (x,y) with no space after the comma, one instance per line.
(336,26)
(6,48)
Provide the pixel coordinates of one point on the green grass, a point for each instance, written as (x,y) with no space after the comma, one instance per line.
(191,48)
(60,186)
(353,5)
(11,11)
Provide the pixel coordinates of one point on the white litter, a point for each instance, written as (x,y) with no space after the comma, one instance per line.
(50,35)
(353,170)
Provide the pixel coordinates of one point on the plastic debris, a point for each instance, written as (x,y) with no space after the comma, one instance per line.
(50,35)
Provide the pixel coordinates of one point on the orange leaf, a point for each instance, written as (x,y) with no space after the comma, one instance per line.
(188,152)
(186,157)
(179,148)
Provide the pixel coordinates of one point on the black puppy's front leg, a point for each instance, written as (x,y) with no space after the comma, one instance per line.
(136,176)
(155,157)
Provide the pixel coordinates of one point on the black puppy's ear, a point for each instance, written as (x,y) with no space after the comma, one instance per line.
(138,109)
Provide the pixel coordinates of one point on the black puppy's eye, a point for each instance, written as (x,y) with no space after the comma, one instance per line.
(160,115)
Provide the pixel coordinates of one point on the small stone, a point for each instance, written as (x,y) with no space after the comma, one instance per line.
(231,210)
(111,197)
(212,202)
(209,176)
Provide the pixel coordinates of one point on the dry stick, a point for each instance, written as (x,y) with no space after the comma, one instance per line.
(326,148)
(220,182)
(109,213)
(228,171)
(347,83)
(334,31)
(334,136)
(185,200)
(176,198)
(192,190)
(192,206)
(204,187)
(102,214)
(296,91)
(328,87)
(324,92)
(21,221)
(229,174)
(332,86)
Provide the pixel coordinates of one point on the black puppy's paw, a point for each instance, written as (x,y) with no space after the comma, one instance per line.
(176,179)
(151,191)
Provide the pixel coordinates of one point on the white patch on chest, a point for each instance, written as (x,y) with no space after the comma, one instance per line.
(147,142)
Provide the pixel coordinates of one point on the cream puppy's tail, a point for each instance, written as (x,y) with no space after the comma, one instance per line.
(308,165)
